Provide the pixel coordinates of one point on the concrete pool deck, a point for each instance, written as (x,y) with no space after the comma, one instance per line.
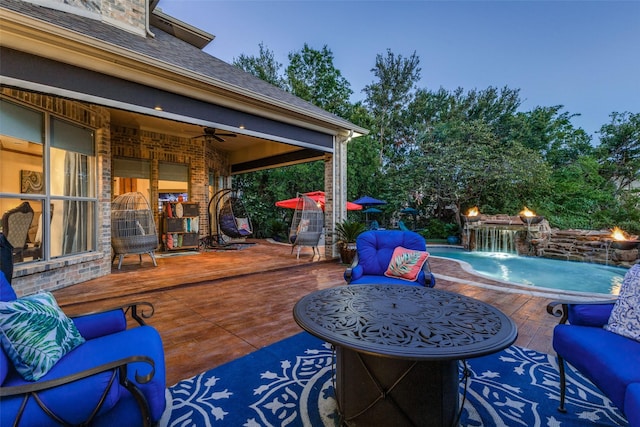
(215,306)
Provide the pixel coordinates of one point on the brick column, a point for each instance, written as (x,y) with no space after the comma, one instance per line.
(335,187)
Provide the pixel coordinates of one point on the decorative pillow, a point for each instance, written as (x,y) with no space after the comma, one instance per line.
(625,316)
(35,334)
(243,224)
(406,263)
(140,229)
(303,226)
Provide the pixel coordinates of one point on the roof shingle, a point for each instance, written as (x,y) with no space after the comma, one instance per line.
(171,50)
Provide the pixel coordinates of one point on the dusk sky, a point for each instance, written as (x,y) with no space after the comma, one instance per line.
(584,55)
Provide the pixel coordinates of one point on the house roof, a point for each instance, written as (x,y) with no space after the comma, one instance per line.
(167,52)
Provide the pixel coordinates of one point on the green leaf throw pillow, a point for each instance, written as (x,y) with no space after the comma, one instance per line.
(406,264)
(35,334)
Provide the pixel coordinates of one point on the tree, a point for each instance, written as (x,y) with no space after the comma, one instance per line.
(313,77)
(390,95)
(579,196)
(364,170)
(550,132)
(264,66)
(619,149)
(463,164)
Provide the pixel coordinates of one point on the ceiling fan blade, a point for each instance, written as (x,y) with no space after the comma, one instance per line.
(217,138)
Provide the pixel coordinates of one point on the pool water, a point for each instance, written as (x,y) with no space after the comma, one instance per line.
(540,272)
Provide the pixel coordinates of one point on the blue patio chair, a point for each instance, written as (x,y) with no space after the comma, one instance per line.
(373,225)
(375,251)
(115,377)
(599,339)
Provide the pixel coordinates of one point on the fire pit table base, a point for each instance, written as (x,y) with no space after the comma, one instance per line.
(383,391)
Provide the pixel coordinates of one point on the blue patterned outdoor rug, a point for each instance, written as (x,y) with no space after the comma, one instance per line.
(290,384)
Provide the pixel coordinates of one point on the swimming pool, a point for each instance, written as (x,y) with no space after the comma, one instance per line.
(539,272)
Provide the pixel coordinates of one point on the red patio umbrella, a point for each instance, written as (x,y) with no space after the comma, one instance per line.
(316,196)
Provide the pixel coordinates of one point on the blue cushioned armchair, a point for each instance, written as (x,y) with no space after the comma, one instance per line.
(373,254)
(116,377)
(609,360)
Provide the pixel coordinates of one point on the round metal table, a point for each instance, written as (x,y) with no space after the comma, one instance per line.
(397,348)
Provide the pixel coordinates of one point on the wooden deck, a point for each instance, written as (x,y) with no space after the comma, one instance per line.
(215,306)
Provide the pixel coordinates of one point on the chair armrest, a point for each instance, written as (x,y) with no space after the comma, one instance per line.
(139,311)
(584,313)
(426,267)
(348,274)
(428,278)
(104,322)
(120,364)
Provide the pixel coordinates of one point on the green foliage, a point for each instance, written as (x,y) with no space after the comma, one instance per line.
(435,229)
(452,229)
(620,149)
(313,77)
(347,231)
(387,97)
(277,230)
(456,149)
(264,66)
(579,196)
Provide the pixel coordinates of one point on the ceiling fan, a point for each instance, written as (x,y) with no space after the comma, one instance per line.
(212,133)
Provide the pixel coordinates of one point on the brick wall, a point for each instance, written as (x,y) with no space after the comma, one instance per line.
(58,273)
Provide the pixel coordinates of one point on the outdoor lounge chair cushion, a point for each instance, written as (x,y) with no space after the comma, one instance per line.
(625,316)
(589,314)
(406,264)
(100,324)
(632,404)
(609,360)
(35,334)
(6,290)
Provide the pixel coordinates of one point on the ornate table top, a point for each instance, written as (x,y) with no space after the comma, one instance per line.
(407,322)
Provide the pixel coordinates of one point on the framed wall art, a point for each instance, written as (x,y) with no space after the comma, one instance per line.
(31,182)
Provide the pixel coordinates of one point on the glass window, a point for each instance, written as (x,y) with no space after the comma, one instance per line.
(62,196)
(173,182)
(131,175)
(21,123)
(73,188)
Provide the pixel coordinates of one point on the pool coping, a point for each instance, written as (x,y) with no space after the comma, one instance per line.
(511,287)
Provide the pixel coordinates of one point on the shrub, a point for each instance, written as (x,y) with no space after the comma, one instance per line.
(435,229)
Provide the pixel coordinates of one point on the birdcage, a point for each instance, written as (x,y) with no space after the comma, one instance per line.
(133,230)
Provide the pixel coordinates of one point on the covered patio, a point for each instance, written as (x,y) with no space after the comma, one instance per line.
(231,303)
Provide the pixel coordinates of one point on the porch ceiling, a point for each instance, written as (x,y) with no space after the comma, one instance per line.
(246,152)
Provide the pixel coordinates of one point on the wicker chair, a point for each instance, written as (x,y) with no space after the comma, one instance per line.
(306,226)
(15,227)
(133,230)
